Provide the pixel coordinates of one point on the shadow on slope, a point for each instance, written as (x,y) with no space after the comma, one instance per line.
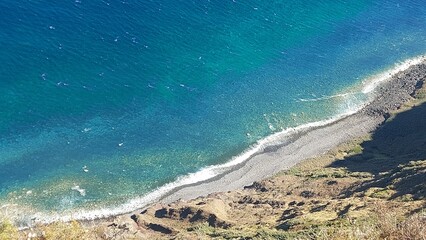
(396,157)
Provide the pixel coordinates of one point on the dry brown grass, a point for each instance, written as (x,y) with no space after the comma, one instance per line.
(390,227)
(8,231)
(63,231)
(380,225)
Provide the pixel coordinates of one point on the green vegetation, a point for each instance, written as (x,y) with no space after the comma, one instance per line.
(56,231)
(380,225)
(7,230)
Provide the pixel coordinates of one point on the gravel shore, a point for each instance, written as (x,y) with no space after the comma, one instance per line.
(390,95)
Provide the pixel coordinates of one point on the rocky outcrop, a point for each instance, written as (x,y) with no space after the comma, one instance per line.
(192,215)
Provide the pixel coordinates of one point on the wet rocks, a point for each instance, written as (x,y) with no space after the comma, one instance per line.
(397,91)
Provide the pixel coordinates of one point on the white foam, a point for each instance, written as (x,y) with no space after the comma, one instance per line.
(202,175)
(80,190)
(325,97)
(372,82)
(209,172)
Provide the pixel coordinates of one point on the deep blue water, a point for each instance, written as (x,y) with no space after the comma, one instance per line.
(122,97)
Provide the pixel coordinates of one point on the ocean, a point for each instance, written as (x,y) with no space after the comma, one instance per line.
(106,105)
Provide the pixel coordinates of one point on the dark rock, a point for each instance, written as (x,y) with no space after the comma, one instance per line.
(161,213)
(344,211)
(173,213)
(251,200)
(246,200)
(290,214)
(318,208)
(159,228)
(112,225)
(198,216)
(284,226)
(257,186)
(275,204)
(331,182)
(217,223)
(419,84)
(211,219)
(134,218)
(190,214)
(185,212)
(124,227)
(307,194)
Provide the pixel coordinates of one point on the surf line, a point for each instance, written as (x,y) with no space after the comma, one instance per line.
(368,86)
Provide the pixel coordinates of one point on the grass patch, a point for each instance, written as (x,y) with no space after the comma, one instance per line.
(384,225)
(8,231)
(356,150)
(61,230)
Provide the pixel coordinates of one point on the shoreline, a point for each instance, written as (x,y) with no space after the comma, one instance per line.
(279,157)
(365,182)
(392,89)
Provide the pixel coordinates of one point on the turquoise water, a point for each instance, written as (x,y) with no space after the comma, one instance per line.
(105,101)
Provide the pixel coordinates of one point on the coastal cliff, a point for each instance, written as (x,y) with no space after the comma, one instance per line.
(369,187)
(373,187)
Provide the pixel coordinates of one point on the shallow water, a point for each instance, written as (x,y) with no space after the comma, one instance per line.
(122,97)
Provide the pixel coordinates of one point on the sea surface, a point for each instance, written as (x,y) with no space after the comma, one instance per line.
(105,105)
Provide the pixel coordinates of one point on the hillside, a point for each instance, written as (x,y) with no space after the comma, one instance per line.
(373,187)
